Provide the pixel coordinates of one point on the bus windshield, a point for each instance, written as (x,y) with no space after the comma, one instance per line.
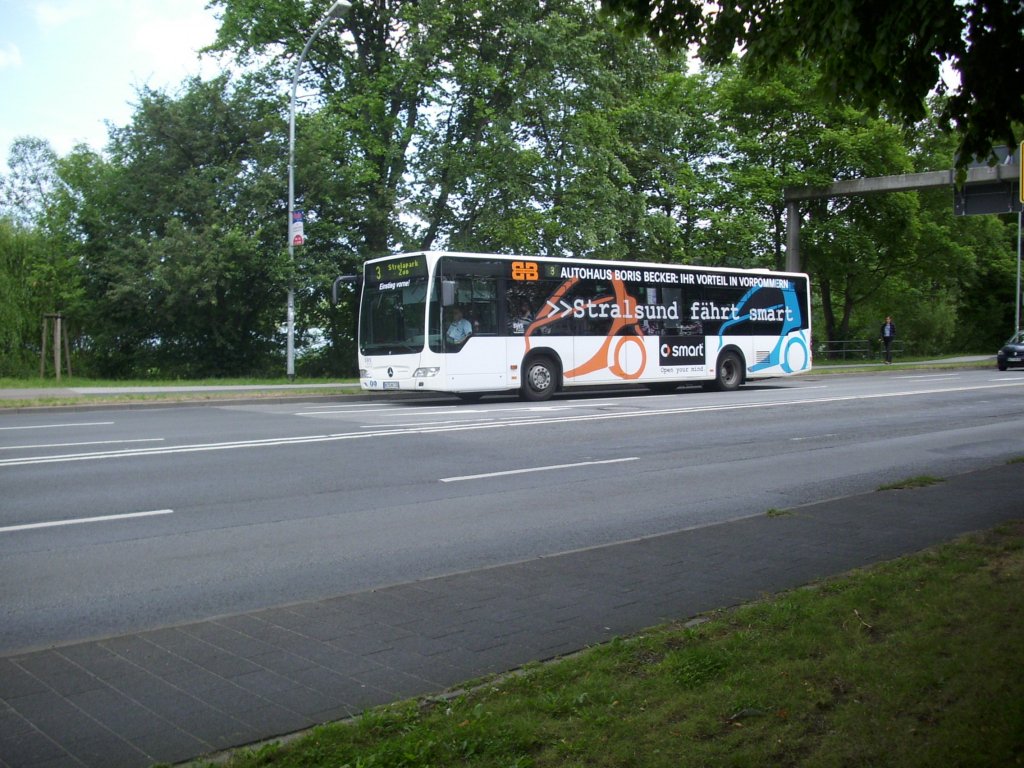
(394,306)
(391,317)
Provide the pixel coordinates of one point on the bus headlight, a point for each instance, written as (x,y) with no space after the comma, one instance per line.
(363,373)
(425,373)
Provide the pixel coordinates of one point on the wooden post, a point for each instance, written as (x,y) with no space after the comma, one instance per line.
(42,351)
(56,344)
(60,339)
(67,351)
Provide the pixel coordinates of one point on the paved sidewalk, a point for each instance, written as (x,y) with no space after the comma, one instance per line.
(176,693)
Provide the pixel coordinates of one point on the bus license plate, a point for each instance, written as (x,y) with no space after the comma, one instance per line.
(390,385)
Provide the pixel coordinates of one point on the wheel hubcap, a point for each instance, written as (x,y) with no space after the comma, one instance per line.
(540,377)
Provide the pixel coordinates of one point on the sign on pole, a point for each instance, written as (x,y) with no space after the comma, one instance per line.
(996,193)
(296,233)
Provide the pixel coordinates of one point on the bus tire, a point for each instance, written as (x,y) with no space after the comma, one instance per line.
(728,372)
(540,378)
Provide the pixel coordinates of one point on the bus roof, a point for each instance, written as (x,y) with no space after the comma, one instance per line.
(434,255)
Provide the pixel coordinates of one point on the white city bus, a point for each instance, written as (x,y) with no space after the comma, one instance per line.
(540,325)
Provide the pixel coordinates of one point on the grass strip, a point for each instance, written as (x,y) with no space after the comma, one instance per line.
(45,393)
(914,662)
(919,481)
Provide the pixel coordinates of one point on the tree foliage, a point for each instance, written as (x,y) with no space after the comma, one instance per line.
(179,259)
(19,310)
(37,275)
(873,54)
(505,126)
(32,180)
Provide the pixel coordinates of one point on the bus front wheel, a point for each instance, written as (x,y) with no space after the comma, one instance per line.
(729,373)
(539,377)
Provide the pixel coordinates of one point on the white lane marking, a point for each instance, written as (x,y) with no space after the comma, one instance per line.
(463,411)
(536,469)
(525,422)
(165,450)
(389,409)
(417,424)
(345,407)
(934,377)
(509,413)
(73,445)
(80,520)
(61,426)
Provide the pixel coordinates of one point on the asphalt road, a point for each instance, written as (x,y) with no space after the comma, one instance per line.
(116,520)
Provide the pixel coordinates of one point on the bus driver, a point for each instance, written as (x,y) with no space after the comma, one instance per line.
(460,328)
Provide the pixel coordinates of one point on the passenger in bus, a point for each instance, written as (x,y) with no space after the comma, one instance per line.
(460,329)
(521,321)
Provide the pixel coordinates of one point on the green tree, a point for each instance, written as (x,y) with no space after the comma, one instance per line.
(609,126)
(370,77)
(32,179)
(668,146)
(534,149)
(984,293)
(769,131)
(20,249)
(874,55)
(499,126)
(179,238)
(39,274)
(971,260)
(868,256)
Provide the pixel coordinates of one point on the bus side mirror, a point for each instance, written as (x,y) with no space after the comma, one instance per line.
(447,292)
(351,280)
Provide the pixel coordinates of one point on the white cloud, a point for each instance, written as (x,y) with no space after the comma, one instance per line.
(71,66)
(170,46)
(50,15)
(10,56)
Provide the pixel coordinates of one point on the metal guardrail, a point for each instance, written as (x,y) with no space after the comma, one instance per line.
(855,349)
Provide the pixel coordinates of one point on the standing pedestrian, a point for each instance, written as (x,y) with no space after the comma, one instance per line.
(887,334)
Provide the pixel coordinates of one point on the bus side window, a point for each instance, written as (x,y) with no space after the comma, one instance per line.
(477,296)
(670,296)
(483,316)
(485,305)
(526,302)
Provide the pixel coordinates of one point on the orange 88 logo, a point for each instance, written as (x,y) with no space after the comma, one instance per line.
(525,270)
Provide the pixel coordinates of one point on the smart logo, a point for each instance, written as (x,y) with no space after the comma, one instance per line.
(682,350)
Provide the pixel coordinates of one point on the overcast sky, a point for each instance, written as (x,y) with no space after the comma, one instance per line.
(69,66)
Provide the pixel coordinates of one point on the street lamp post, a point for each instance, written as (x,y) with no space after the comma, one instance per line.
(337,11)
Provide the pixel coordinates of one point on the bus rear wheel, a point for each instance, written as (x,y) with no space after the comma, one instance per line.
(729,373)
(539,377)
